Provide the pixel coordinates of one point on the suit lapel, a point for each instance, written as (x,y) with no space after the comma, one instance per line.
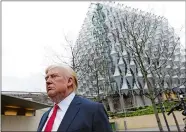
(43,120)
(70,114)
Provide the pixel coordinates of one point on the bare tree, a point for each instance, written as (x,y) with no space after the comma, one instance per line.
(152,44)
(68,54)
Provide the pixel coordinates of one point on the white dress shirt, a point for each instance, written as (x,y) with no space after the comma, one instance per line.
(63,106)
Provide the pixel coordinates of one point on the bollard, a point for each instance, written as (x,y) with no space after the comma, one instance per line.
(125,125)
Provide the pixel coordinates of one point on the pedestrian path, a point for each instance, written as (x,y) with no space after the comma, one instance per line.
(172,128)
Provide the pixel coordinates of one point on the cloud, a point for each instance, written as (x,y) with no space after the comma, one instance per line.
(32,83)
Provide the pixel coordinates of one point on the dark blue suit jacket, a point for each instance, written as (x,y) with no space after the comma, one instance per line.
(82,115)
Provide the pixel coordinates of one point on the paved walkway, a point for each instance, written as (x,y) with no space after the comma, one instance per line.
(172,128)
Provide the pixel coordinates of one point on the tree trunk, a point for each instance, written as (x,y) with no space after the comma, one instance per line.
(152,98)
(176,122)
(177,125)
(157,116)
(163,112)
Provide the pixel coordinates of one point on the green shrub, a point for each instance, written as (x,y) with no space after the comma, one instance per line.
(140,108)
(146,110)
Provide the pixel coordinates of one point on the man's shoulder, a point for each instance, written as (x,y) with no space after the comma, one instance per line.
(86,101)
(89,105)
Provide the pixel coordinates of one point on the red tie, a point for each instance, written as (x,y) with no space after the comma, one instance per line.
(50,122)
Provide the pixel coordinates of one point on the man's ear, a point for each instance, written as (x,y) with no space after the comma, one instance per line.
(70,82)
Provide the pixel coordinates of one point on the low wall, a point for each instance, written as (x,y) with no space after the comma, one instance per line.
(21,123)
(146,121)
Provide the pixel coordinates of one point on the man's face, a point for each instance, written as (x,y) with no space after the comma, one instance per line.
(56,83)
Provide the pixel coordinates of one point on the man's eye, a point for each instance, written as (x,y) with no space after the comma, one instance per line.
(53,76)
(46,78)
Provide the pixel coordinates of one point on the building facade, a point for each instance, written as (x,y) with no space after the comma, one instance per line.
(118,46)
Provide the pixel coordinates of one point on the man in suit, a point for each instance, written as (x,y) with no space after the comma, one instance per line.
(70,113)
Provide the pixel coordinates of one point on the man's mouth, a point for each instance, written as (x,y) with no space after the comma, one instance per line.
(49,88)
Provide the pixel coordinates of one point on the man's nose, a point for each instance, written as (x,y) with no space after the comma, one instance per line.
(48,81)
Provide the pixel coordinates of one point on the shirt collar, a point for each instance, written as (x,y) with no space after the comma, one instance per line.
(64,104)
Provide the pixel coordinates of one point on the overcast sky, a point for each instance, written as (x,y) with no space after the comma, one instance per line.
(32,31)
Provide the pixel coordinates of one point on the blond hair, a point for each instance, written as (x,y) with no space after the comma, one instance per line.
(68,72)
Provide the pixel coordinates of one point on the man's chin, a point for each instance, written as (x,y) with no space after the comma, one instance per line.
(51,93)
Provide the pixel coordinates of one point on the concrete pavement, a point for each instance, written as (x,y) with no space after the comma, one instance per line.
(172,128)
